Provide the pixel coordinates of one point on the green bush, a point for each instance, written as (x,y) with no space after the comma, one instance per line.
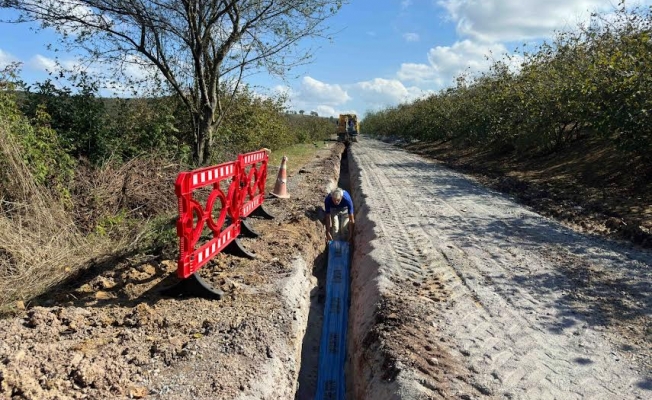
(593,80)
(253,122)
(76,116)
(40,146)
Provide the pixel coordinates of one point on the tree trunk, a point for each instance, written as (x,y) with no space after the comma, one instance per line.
(203,137)
(198,154)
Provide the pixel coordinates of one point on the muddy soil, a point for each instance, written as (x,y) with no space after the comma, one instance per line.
(110,334)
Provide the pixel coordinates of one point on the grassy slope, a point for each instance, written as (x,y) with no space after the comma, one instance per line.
(64,253)
(297,156)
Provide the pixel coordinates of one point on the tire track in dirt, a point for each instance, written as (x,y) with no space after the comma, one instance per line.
(506,310)
(407,239)
(418,279)
(521,350)
(476,323)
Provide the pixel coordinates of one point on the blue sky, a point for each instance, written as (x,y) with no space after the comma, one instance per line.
(383,52)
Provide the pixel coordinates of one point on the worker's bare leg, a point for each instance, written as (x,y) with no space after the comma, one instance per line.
(335,224)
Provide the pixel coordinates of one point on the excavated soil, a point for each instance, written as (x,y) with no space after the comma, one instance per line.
(110,334)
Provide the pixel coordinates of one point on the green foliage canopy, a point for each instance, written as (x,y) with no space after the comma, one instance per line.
(197,48)
(595,80)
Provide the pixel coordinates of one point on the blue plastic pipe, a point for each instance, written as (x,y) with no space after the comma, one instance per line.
(331,381)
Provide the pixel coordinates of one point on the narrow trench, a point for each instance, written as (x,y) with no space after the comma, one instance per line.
(308,372)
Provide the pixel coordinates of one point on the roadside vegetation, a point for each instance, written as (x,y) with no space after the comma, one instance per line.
(86,180)
(570,121)
(594,81)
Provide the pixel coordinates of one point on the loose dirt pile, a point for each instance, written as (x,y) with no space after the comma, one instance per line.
(110,334)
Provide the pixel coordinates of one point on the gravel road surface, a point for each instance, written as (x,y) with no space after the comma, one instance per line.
(518,306)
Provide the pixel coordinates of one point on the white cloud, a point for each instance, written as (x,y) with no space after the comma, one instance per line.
(419,73)
(411,37)
(138,68)
(484,25)
(513,20)
(314,95)
(447,62)
(312,91)
(331,99)
(134,68)
(326,111)
(78,10)
(483,29)
(6,58)
(451,60)
(43,63)
(282,90)
(381,92)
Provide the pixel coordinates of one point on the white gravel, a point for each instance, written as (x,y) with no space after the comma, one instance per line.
(534,310)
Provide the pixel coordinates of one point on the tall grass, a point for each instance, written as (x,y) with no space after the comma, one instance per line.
(39,242)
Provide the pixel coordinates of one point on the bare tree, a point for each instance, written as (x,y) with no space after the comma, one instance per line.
(201,48)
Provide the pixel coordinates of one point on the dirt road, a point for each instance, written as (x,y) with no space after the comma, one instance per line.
(458,292)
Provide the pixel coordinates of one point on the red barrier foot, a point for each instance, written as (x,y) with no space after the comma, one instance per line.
(247,231)
(235,248)
(193,286)
(261,212)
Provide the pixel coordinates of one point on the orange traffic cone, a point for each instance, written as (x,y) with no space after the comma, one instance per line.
(280,188)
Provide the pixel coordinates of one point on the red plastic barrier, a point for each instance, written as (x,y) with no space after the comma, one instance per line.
(191,259)
(252,180)
(245,193)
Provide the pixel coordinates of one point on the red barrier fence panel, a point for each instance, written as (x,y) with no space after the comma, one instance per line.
(252,180)
(193,217)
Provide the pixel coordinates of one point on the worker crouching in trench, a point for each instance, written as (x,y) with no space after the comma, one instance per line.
(339,218)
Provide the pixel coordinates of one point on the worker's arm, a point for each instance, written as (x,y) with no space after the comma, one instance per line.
(327,223)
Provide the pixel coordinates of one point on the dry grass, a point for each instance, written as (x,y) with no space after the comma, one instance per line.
(40,244)
(141,187)
(298,156)
(43,243)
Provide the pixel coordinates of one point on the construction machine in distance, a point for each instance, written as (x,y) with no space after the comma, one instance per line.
(348,128)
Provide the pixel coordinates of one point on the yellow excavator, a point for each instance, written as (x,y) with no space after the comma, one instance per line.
(348,128)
